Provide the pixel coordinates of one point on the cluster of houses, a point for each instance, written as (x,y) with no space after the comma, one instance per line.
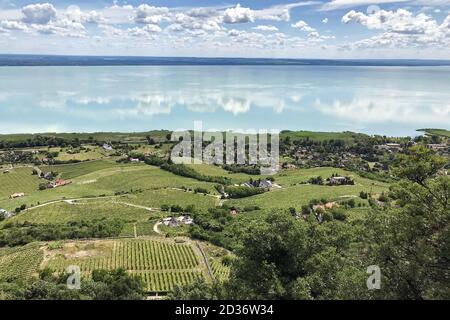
(178,221)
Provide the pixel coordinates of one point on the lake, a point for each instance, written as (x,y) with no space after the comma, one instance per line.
(374,100)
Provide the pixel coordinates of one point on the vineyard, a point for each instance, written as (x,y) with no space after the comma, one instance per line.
(160,264)
(20,263)
(220,271)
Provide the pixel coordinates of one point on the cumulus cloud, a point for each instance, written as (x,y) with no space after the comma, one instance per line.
(146,14)
(303,26)
(401,28)
(40,13)
(238,14)
(75,14)
(12,25)
(265,28)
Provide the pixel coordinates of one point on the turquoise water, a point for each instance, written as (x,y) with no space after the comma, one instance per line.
(381,100)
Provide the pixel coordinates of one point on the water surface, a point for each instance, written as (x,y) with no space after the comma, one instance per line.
(381,100)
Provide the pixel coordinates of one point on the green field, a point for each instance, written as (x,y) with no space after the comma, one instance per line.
(159,263)
(20,263)
(88,182)
(63,212)
(70,171)
(437,132)
(18,180)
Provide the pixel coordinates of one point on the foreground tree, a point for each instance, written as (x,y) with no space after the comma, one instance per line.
(411,241)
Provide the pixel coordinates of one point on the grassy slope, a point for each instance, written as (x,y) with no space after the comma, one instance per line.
(17,180)
(116,178)
(437,132)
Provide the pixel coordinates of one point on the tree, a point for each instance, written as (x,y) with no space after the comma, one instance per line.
(411,242)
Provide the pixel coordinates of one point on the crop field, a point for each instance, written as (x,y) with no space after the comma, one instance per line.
(70,171)
(20,263)
(220,271)
(160,264)
(105,182)
(157,198)
(216,171)
(16,181)
(63,212)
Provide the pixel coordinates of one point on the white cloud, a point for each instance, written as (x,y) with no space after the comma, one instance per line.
(401,29)
(303,26)
(265,28)
(325,21)
(12,25)
(146,14)
(40,13)
(75,14)
(238,14)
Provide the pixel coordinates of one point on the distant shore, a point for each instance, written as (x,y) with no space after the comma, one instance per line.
(58,60)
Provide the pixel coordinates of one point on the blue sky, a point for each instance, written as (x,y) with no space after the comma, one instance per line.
(263,28)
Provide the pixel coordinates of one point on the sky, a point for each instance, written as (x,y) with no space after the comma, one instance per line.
(336,29)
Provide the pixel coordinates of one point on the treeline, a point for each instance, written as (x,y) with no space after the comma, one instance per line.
(252,170)
(242,191)
(41,141)
(182,170)
(19,234)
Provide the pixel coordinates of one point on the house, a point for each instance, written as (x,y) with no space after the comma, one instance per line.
(6,214)
(58,183)
(176,222)
(265,184)
(437,147)
(134,160)
(17,195)
(391,147)
(47,175)
(107,147)
(339,181)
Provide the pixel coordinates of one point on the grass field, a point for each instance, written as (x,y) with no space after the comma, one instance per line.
(88,182)
(437,132)
(159,263)
(16,181)
(20,263)
(70,171)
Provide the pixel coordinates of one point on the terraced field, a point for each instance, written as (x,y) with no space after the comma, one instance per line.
(161,264)
(20,263)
